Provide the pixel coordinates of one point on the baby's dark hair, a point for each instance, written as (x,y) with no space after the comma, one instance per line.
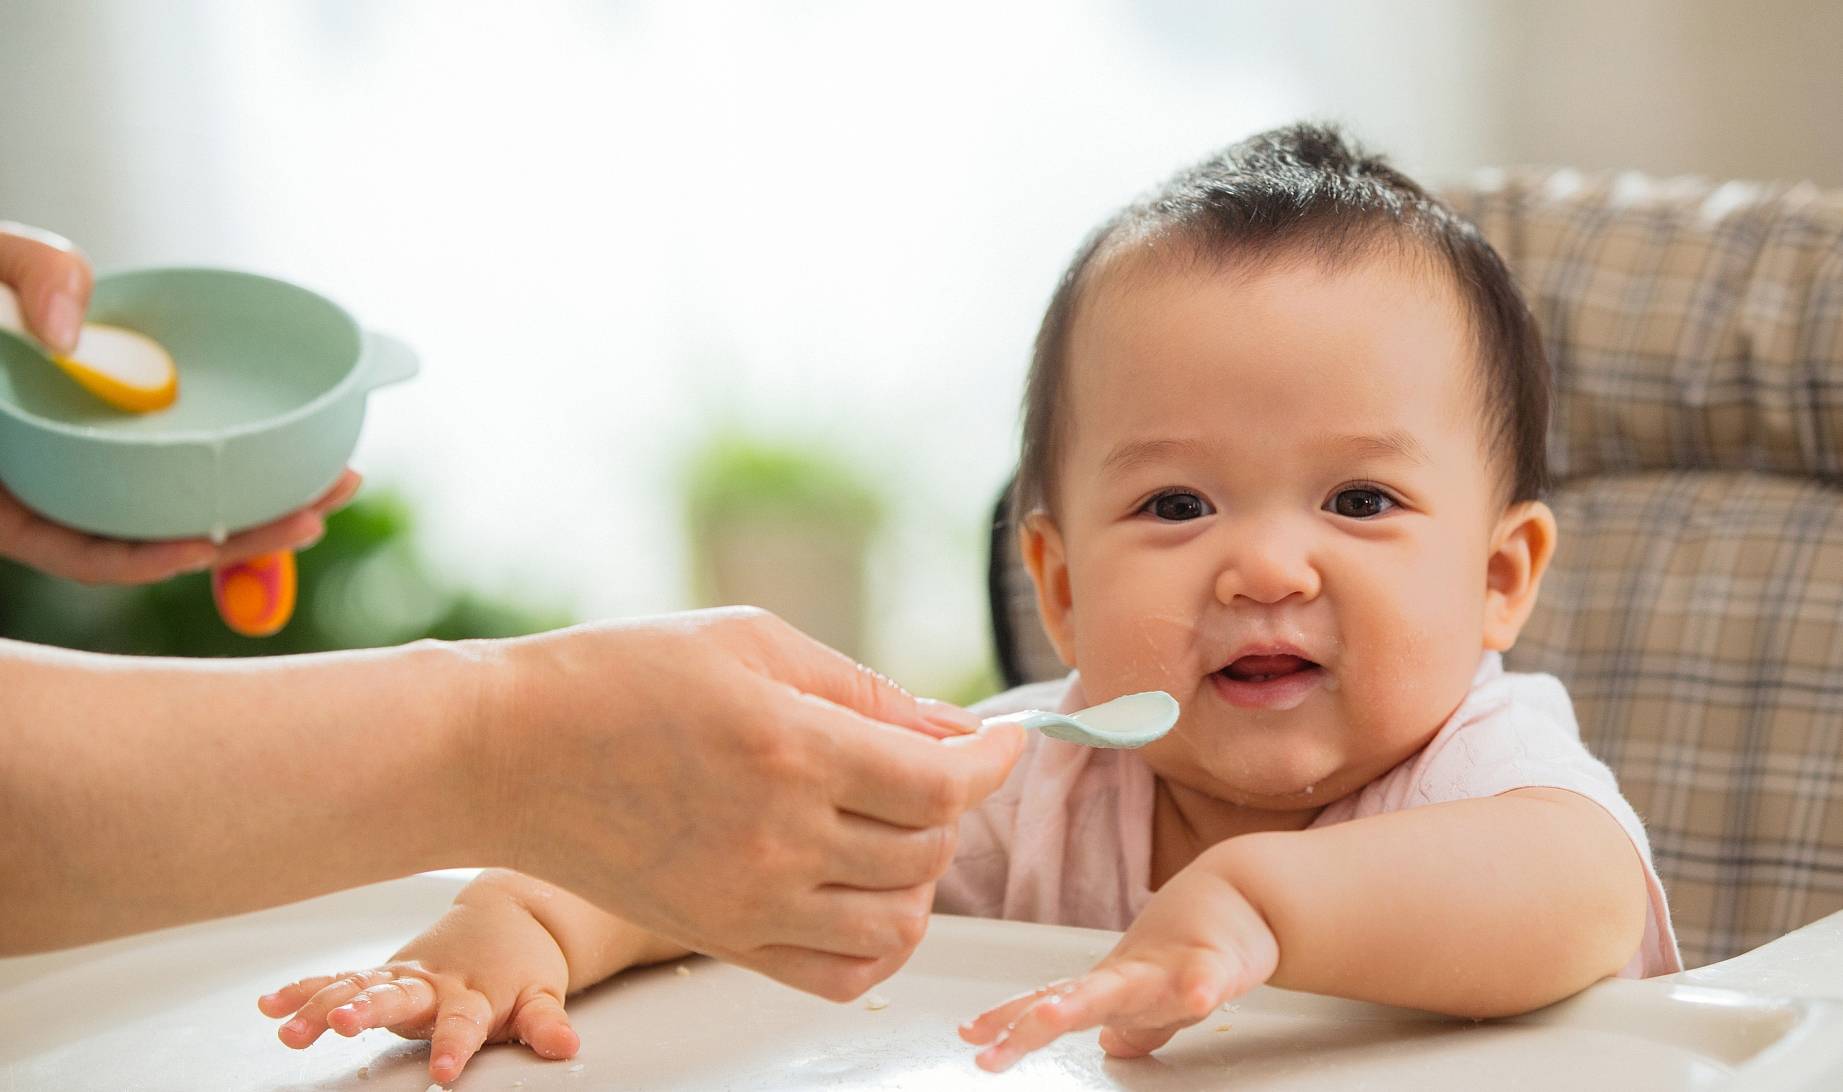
(1305,190)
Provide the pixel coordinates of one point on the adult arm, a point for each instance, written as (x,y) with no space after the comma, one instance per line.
(716,778)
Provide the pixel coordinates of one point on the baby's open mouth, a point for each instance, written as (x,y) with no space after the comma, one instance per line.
(1256,669)
(1273,681)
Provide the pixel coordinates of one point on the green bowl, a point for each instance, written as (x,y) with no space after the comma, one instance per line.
(272,386)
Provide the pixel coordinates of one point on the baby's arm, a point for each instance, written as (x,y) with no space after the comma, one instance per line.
(496,966)
(1486,907)
(1482,907)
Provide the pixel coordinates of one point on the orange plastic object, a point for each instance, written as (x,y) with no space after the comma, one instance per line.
(256,597)
(155,382)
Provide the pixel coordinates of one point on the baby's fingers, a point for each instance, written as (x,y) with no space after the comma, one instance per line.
(294,994)
(1127,995)
(461,1027)
(1177,1002)
(1088,1002)
(405,1000)
(1128,1042)
(991,1023)
(310,1021)
(541,1023)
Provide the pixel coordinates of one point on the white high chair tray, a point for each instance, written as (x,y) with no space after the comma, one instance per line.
(177,1010)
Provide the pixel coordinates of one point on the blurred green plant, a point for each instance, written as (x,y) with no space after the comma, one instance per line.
(361,586)
(735,473)
(784,524)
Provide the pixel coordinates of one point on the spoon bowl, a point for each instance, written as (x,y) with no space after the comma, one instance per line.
(1131,721)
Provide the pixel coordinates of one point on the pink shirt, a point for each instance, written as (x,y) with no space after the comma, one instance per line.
(1067,839)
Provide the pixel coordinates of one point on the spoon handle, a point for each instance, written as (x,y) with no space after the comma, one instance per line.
(256,597)
(1029,718)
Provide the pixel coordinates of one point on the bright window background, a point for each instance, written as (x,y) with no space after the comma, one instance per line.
(613,227)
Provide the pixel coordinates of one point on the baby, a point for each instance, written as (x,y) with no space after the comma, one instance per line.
(1283,454)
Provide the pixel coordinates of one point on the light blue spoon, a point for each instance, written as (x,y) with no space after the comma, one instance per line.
(1132,721)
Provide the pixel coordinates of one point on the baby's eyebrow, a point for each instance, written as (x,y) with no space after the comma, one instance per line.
(1133,453)
(1395,443)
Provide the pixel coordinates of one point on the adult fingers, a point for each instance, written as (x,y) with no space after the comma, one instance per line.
(541,1022)
(824,974)
(341,491)
(31,539)
(851,922)
(52,279)
(403,1000)
(92,560)
(295,531)
(811,667)
(906,779)
(879,856)
(461,1027)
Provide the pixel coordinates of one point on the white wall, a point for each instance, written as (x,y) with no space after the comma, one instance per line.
(606,225)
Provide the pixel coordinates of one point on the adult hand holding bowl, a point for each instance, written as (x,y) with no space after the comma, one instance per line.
(252,453)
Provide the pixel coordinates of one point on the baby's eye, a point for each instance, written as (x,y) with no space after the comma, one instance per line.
(1177,507)
(1360,503)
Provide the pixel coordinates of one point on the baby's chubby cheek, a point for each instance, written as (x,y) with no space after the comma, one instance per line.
(1395,695)
(1127,652)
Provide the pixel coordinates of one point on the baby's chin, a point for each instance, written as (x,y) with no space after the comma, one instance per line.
(1284,769)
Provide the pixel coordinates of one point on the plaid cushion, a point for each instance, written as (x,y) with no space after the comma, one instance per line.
(1696,331)
(1695,606)
(1697,620)
(1689,325)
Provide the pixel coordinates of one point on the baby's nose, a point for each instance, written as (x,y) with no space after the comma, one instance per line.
(1266,567)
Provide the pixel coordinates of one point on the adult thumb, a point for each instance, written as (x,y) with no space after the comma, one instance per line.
(52,280)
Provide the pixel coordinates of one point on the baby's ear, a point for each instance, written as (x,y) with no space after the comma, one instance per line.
(1521,547)
(1040,543)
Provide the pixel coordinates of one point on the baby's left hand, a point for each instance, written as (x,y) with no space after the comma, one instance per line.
(1198,943)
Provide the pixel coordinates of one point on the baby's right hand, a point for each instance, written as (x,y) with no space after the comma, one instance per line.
(488,971)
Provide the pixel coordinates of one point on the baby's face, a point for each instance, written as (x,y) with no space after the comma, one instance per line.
(1276,503)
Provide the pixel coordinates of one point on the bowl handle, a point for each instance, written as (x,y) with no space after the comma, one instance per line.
(388,360)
